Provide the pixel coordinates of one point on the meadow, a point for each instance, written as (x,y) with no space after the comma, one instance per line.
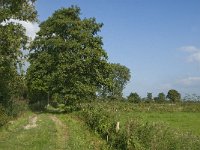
(145,125)
(93,126)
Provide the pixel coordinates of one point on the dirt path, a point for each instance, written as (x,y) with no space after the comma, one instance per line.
(32,122)
(62,136)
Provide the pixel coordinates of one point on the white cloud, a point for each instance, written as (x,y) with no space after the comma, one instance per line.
(31,28)
(194,53)
(189,49)
(190,81)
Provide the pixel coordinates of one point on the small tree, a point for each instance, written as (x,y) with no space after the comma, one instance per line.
(160,98)
(119,75)
(174,96)
(134,97)
(149,98)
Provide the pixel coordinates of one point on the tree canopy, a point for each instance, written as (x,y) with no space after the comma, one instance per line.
(18,9)
(67,59)
(174,96)
(12,41)
(134,97)
(120,75)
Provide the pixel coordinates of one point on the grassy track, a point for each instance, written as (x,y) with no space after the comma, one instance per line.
(16,137)
(51,132)
(79,136)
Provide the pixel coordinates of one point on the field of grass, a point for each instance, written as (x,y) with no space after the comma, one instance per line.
(183,117)
(16,137)
(142,126)
(52,132)
(145,126)
(185,121)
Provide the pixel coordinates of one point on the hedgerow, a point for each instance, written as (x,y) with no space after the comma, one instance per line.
(135,134)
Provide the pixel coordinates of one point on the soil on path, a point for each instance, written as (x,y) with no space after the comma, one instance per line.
(61,132)
(32,122)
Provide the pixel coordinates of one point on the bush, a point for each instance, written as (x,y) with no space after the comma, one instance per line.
(3,116)
(18,107)
(100,121)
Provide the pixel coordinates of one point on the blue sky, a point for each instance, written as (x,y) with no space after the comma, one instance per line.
(158,40)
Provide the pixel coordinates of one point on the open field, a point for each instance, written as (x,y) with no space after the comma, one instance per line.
(183,117)
(185,121)
(141,126)
(145,126)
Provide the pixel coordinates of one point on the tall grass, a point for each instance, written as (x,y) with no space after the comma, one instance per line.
(136,133)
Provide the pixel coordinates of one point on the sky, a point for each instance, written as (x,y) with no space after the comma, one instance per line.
(158,40)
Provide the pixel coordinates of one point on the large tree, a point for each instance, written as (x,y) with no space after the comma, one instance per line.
(67,60)
(12,41)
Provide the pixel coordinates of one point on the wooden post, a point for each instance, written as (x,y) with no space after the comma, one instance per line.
(117,127)
(48,99)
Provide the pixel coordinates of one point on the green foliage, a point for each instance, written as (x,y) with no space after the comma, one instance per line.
(67,58)
(157,136)
(119,75)
(134,97)
(12,41)
(17,9)
(99,120)
(149,98)
(3,116)
(161,98)
(174,96)
(136,133)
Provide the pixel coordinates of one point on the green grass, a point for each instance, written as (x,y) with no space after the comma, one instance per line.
(68,131)
(48,135)
(80,138)
(15,137)
(145,126)
(185,121)
(185,117)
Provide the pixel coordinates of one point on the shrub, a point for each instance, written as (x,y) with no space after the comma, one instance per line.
(3,116)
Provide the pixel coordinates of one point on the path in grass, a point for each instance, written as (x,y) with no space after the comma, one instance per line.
(80,137)
(48,131)
(61,129)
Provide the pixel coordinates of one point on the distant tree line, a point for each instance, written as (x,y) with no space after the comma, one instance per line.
(172,96)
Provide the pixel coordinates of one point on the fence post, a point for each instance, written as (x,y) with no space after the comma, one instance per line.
(117,127)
